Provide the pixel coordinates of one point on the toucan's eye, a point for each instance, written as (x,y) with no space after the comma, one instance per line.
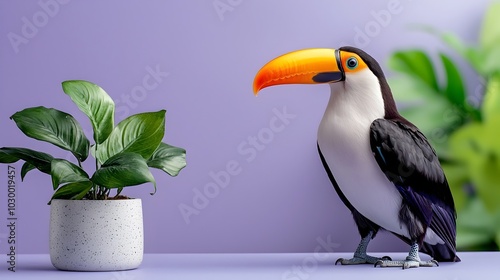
(352,63)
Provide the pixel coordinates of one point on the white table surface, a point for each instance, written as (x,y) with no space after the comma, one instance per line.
(301,266)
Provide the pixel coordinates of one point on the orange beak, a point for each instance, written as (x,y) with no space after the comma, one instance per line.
(309,66)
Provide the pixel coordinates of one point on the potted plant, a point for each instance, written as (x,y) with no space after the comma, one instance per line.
(93,227)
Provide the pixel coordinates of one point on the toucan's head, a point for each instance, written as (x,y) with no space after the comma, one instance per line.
(346,69)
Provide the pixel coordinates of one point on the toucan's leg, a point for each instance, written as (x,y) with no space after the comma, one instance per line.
(412,260)
(360,256)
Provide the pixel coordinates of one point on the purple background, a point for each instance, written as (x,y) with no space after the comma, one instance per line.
(281,200)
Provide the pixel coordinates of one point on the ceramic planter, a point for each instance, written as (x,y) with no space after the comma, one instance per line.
(96,235)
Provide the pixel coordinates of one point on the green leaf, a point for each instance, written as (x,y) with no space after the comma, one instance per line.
(475,218)
(475,225)
(454,89)
(497,238)
(94,102)
(467,239)
(457,176)
(38,159)
(463,142)
(7,158)
(484,59)
(485,176)
(472,55)
(141,134)
(411,91)
(475,57)
(427,109)
(455,43)
(476,146)
(491,135)
(490,33)
(27,167)
(55,127)
(490,65)
(491,102)
(92,150)
(63,171)
(415,63)
(123,170)
(168,158)
(76,190)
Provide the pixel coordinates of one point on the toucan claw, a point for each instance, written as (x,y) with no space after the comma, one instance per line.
(366,259)
(408,263)
(386,258)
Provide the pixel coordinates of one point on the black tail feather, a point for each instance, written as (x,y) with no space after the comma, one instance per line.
(440,252)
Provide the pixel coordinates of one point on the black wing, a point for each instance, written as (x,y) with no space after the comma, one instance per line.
(408,160)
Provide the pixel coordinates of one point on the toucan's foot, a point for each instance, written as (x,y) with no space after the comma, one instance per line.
(360,256)
(412,260)
(362,259)
(408,263)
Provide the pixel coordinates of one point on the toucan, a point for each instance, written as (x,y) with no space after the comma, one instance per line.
(380,164)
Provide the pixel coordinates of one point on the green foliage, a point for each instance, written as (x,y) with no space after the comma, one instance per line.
(55,127)
(491,105)
(123,169)
(74,190)
(123,154)
(140,134)
(168,158)
(94,102)
(436,109)
(36,159)
(63,171)
(416,64)
(465,137)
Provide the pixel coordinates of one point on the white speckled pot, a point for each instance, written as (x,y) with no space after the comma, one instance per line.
(96,235)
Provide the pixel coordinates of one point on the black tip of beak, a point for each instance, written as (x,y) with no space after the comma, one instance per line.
(328,77)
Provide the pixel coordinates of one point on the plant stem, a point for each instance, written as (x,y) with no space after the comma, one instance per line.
(97,188)
(101,192)
(97,165)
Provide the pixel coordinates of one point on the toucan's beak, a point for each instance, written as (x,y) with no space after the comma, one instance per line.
(309,66)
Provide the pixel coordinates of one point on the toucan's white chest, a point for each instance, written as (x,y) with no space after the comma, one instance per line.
(343,138)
